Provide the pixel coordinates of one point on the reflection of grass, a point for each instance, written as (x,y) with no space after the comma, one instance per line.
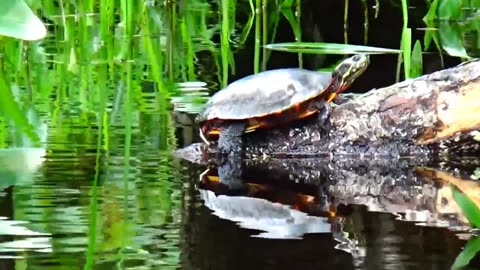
(472,212)
(471,249)
(10,108)
(18,21)
(91,72)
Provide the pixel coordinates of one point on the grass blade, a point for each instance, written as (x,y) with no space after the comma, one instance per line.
(406,47)
(416,68)
(327,48)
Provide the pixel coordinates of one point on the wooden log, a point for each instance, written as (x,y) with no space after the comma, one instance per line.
(438,113)
(435,113)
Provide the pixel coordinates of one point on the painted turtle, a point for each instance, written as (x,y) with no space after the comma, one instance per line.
(272,98)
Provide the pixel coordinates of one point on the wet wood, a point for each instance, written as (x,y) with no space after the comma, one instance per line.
(446,182)
(437,112)
(425,110)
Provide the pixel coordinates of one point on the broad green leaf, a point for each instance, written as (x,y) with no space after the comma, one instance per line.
(471,249)
(431,31)
(287,4)
(427,38)
(295,25)
(432,11)
(469,35)
(34,4)
(469,209)
(475,4)
(17,20)
(451,39)
(416,68)
(327,48)
(449,9)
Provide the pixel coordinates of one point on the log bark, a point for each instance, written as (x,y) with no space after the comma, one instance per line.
(436,113)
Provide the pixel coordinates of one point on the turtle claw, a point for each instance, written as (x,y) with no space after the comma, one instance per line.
(343,98)
(204,139)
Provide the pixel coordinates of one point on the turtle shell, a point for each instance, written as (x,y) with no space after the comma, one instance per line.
(265,99)
(264,94)
(277,96)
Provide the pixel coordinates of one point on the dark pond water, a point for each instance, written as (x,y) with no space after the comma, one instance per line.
(132,205)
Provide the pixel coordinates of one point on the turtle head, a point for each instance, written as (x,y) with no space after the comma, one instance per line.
(349,70)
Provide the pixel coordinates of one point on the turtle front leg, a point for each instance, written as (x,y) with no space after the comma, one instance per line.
(324,110)
(230,142)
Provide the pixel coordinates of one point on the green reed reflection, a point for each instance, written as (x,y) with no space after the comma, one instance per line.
(95,97)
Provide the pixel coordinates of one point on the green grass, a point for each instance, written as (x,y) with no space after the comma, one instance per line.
(167,39)
(225,40)
(88,72)
(405,44)
(258,33)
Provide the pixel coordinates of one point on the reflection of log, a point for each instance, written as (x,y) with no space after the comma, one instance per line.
(406,187)
(420,200)
(445,197)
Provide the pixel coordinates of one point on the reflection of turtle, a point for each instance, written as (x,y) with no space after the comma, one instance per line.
(228,178)
(281,211)
(273,220)
(274,97)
